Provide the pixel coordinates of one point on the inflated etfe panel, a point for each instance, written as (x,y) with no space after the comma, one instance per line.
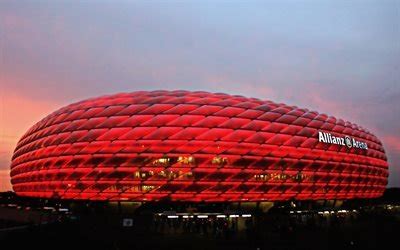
(196,146)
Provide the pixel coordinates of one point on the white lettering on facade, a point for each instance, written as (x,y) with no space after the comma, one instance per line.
(343,141)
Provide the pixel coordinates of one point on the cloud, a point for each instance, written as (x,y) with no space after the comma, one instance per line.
(5,180)
(17,114)
(393,142)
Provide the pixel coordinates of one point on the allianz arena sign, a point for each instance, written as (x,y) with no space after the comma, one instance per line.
(348,141)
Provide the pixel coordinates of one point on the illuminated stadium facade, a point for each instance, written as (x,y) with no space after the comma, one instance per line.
(196,146)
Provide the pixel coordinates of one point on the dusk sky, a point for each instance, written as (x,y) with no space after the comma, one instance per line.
(337,57)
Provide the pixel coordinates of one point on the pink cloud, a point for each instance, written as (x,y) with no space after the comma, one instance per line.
(5,184)
(392,141)
(17,115)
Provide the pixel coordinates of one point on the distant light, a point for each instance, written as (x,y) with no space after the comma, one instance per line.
(202,216)
(173,216)
(299,212)
(221,216)
(326,212)
(185,216)
(292,212)
(246,215)
(233,216)
(63,210)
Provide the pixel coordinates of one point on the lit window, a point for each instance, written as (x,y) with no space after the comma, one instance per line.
(262,177)
(299,177)
(147,188)
(161,161)
(219,160)
(186,159)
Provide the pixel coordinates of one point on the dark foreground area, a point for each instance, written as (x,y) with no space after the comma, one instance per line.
(271,232)
(371,226)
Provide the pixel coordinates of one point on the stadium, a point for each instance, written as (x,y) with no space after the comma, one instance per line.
(196,147)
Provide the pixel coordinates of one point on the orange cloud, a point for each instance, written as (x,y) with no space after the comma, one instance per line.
(392,142)
(5,184)
(17,114)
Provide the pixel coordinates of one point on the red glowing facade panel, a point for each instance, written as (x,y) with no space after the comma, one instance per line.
(196,146)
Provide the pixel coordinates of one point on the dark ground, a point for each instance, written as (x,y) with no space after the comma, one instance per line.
(373,224)
(377,230)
